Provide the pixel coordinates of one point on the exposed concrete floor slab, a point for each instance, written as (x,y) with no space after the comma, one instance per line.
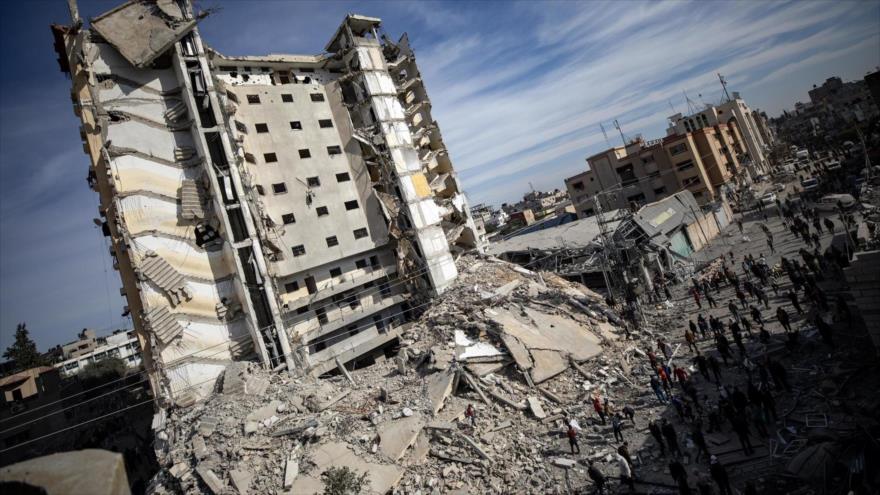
(382,477)
(397,436)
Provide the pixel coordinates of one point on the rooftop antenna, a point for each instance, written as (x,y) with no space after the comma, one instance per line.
(724,85)
(669,100)
(692,107)
(617,126)
(608,143)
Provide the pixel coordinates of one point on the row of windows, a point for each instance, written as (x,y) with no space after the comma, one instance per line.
(303,154)
(300,249)
(263,128)
(285,98)
(312,287)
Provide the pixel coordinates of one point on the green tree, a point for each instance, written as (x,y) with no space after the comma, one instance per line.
(106,369)
(343,481)
(23,350)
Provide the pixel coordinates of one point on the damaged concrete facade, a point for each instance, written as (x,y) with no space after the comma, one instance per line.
(294,208)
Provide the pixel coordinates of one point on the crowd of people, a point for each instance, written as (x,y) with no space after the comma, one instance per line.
(737,383)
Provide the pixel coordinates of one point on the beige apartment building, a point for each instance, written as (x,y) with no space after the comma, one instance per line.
(702,161)
(296,209)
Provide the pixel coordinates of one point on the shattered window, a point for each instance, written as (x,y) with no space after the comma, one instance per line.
(325,123)
(334,150)
(296,125)
(270,157)
(332,241)
(287,98)
(262,128)
(253,99)
(321,211)
(313,181)
(316,97)
(279,188)
(359,234)
(351,205)
(343,177)
(288,218)
(336,272)
(298,250)
(291,286)
(305,153)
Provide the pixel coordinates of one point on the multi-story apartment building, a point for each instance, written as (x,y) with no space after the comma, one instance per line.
(297,208)
(735,113)
(703,161)
(121,344)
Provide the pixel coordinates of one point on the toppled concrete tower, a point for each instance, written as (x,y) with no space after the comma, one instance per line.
(296,208)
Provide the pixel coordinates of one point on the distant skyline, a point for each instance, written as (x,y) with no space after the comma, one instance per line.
(519,90)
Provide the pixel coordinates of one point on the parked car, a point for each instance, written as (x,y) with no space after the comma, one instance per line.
(780,188)
(768,199)
(831,201)
(810,184)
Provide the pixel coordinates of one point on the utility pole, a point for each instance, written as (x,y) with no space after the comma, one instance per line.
(608,143)
(600,222)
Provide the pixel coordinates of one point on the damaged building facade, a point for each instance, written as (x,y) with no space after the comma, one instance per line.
(297,208)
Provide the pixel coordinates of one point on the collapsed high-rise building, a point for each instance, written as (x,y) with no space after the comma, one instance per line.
(297,208)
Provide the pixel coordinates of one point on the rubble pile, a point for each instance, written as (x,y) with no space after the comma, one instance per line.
(526,349)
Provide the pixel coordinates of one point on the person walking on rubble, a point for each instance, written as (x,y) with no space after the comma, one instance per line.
(792,296)
(597,477)
(597,406)
(658,389)
(702,325)
(617,427)
(630,413)
(654,428)
(671,439)
(572,439)
(470,415)
(626,473)
(691,340)
(696,295)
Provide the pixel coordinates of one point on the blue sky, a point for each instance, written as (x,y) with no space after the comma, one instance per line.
(519,90)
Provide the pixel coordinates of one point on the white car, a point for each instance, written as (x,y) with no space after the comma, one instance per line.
(780,187)
(768,199)
(830,202)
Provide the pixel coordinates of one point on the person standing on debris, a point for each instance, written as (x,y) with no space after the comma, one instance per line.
(671,439)
(723,346)
(623,450)
(597,406)
(658,389)
(719,474)
(770,245)
(756,314)
(572,440)
(691,340)
(626,474)
(654,428)
(782,315)
(696,295)
(792,296)
(679,474)
(471,415)
(680,374)
(664,380)
(711,300)
(630,413)
(734,311)
(597,477)
(617,427)
(652,359)
(702,325)
(739,223)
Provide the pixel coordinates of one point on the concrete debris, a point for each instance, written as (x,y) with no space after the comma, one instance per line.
(155,269)
(402,420)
